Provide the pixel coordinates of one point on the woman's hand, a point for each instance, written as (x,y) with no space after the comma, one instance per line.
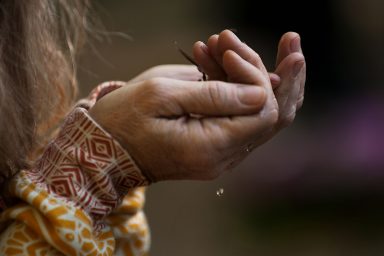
(177,129)
(288,79)
(184,129)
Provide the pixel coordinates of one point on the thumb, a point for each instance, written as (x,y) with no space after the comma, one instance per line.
(211,98)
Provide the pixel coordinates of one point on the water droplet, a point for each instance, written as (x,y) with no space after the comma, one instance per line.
(220,192)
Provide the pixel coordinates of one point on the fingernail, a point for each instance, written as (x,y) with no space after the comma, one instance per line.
(251,95)
(297,68)
(295,44)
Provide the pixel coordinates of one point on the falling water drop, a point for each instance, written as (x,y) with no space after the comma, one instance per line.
(220,192)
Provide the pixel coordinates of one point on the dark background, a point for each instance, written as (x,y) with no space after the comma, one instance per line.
(317,188)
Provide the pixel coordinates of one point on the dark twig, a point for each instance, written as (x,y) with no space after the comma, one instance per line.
(190,59)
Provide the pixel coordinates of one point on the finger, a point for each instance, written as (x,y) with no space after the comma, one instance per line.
(173,98)
(241,71)
(229,41)
(180,72)
(207,63)
(212,48)
(292,72)
(289,43)
(302,78)
(275,80)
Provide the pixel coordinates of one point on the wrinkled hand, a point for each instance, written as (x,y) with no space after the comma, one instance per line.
(288,79)
(177,129)
(185,129)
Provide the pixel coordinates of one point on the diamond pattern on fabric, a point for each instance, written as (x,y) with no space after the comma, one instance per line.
(87,166)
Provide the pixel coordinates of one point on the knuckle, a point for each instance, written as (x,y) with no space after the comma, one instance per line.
(149,86)
(153,86)
(151,93)
(153,82)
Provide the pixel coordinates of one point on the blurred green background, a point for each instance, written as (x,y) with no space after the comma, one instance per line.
(317,188)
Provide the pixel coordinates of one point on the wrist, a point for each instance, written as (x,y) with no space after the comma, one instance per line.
(103,114)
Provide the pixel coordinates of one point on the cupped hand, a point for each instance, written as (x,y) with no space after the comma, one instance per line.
(177,129)
(288,79)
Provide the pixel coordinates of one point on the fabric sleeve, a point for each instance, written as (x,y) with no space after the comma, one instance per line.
(85,166)
(82,176)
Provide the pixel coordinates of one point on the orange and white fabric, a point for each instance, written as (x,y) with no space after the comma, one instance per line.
(84,196)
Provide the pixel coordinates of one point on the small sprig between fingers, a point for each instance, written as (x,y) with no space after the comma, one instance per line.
(190,59)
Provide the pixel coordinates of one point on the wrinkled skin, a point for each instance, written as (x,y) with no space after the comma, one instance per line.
(176,127)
